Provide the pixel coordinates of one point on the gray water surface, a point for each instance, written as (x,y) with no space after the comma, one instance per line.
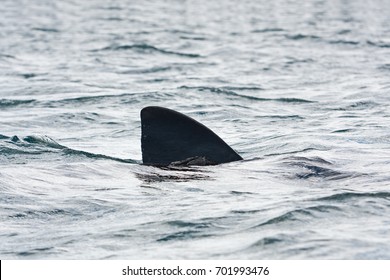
(300,89)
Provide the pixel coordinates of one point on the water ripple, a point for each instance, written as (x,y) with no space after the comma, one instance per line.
(7,103)
(235,94)
(345,196)
(302,91)
(147,49)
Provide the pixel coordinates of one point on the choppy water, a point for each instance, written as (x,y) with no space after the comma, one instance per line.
(301,89)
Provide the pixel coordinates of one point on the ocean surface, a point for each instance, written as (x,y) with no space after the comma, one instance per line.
(300,89)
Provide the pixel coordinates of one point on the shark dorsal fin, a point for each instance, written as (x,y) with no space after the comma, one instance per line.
(169,136)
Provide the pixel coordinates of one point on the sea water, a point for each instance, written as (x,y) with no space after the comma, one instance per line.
(300,89)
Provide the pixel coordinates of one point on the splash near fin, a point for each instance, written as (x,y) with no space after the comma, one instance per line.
(171,137)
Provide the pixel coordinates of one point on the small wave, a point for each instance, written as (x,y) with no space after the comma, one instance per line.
(221,91)
(297,37)
(343,31)
(173,177)
(147,70)
(343,42)
(30,145)
(35,251)
(283,117)
(268,30)
(68,151)
(235,94)
(317,167)
(87,99)
(39,214)
(124,233)
(6,151)
(241,212)
(148,49)
(352,195)
(195,38)
(290,216)
(111,8)
(6,56)
(297,151)
(364,104)
(46,29)
(43,140)
(318,171)
(302,36)
(379,44)
(41,145)
(124,98)
(358,105)
(250,88)
(28,75)
(6,103)
(266,241)
(311,159)
(184,235)
(299,215)
(293,61)
(292,100)
(113,19)
(183,224)
(343,130)
(241,193)
(384,67)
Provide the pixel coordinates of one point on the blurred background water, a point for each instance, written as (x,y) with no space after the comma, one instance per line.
(300,89)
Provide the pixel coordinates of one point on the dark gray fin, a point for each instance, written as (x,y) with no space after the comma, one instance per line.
(169,136)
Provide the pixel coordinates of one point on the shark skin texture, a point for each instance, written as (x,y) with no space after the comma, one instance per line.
(172,138)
